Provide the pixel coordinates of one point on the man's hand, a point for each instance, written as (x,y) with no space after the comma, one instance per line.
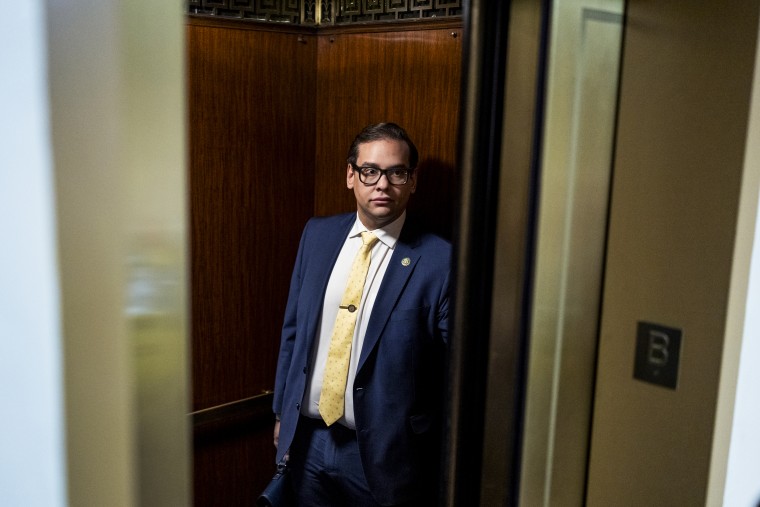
(276,433)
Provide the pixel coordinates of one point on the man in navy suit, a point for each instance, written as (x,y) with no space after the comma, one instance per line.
(385,447)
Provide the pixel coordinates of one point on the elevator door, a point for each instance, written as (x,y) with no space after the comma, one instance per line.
(537,143)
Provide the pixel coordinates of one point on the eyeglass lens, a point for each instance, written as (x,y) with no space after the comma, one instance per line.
(371,175)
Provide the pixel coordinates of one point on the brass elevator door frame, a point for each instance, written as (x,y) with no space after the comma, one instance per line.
(536,158)
(583,64)
(499,157)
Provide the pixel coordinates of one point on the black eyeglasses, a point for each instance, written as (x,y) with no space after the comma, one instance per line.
(371,175)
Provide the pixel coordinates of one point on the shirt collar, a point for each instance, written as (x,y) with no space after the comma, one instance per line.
(388,235)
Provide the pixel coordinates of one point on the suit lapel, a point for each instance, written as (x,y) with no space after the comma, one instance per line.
(394,281)
(323,259)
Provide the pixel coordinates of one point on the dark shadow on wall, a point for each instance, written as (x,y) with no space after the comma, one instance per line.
(434,202)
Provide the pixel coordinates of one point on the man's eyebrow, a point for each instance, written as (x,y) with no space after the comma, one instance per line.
(377,166)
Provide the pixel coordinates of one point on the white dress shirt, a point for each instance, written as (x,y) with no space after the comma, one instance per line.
(379,260)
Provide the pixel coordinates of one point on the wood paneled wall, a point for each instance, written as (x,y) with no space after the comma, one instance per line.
(272,111)
(251,191)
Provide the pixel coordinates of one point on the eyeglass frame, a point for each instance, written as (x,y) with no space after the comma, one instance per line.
(383,172)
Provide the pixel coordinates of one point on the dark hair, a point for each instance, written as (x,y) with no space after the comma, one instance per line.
(379,132)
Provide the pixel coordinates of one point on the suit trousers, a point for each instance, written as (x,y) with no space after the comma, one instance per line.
(326,467)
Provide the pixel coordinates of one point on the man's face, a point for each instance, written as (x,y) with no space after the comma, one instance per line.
(381,203)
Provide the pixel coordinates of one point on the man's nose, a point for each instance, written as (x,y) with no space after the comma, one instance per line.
(380,183)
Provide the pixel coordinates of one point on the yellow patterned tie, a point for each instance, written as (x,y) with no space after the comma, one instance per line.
(332,398)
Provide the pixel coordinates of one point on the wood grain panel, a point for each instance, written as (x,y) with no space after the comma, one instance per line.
(410,77)
(233,452)
(251,191)
(233,464)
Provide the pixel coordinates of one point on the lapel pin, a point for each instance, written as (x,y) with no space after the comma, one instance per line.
(406,261)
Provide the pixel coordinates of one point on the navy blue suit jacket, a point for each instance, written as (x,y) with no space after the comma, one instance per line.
(399,389)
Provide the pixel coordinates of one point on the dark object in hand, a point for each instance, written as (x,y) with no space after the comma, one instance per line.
(278,492)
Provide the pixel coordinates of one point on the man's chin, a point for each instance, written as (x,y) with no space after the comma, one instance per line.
(382,219)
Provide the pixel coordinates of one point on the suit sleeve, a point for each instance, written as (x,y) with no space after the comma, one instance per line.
(288,336)
(442,317)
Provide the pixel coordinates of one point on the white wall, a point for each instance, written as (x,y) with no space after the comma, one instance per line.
(32,469)
(742,486)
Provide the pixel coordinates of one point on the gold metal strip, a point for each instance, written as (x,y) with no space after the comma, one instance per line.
(255,405)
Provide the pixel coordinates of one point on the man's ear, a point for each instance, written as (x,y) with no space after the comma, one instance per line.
(350,177)
(413,178)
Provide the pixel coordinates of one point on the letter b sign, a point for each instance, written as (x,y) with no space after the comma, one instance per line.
(658,349)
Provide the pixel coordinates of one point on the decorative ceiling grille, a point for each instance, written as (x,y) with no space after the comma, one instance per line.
(331,12)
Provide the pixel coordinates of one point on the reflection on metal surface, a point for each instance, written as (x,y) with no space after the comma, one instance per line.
(155,247)
(157,332)
(153,278)
(547,256)
(577,160)
(514,258)
(480,144)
